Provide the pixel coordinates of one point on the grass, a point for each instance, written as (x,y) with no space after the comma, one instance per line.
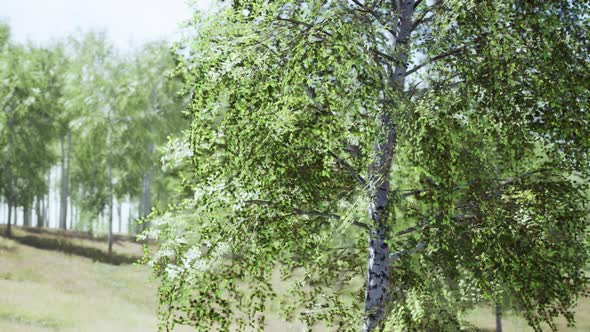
(483,317)
(42,291)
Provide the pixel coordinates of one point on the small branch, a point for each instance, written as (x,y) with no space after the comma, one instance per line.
(314,213)
(307,25)
(311,213)
(310,93)
(396,256)
(339,160)
(414,192)
(374,14)
(434,59)
(408,230)
(290,20)
(420,19)
(417,3)
(351,169)
(383,55)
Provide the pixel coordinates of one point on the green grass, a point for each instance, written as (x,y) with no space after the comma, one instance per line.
(42,291)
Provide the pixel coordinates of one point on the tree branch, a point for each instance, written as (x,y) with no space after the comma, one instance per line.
(351,169)
(396,256)
(420,19)
(311,213)
(383,55)
(307,25)
(434,59)
(374,14)
(408,230)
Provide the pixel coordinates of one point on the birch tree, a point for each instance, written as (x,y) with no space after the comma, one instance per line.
(432,148)
(28,106)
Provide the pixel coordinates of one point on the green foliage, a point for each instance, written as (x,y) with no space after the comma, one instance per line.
(290,104)
(28,105)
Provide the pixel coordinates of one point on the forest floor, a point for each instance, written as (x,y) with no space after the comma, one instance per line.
(48,291)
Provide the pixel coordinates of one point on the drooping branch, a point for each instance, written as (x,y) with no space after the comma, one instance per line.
(320,107)
(361,180)
(412,229)
(396,256)
(420,19)
(310,213)
(383,55)
(366,9)
(434,59)
(306,25)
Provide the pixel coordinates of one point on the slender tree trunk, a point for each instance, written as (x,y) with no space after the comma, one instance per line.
(63,209)
(119,206)
(71,213)
(9,226)
(378,287)
(26,216)
(38,212)
(45,211)
(10,179)
(90,228)
(147,196)
(110,204)
(498,317)
(78,218)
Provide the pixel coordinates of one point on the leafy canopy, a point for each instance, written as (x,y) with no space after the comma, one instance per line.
(487,179)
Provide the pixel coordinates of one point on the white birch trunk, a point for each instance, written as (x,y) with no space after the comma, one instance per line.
(378,285)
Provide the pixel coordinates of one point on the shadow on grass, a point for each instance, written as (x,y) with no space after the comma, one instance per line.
(66,246)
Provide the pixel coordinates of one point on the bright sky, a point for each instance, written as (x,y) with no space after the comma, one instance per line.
(128,22)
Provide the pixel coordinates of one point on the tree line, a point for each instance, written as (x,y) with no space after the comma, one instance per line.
(94,116)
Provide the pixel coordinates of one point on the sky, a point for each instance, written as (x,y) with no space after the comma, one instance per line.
(128,22)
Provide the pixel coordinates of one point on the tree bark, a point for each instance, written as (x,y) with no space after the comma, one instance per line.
(38,212)
(146,200)
(10,179)
(71,213)
(9,226)
(146,197)
(498,318)
(110,240)
(378,288)
(65,165)
(27,216)
(47,202)
(120,217)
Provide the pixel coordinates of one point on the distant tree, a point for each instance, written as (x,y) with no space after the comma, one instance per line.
(126,105)
(28,119)
(461,127)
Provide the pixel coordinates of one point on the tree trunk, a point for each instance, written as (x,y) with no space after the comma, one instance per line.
(120,217)
(110,205)
(71,213)
(146,203)
(10,179)
(498,318)
(9,226)
(38,212)
(378,289)
(146,199)
(27,216)
(63,209)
